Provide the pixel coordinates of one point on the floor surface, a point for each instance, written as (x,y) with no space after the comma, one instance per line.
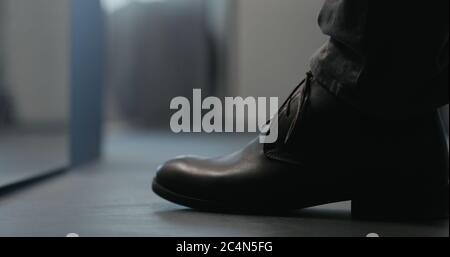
(113,198)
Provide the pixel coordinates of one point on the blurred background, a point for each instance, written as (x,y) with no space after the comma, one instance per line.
(90,82)
(34,86)
(115,65)
(160,49)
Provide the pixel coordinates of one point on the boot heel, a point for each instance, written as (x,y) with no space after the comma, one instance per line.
(401,204)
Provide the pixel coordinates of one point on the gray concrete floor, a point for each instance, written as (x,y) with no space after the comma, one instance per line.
(113,198)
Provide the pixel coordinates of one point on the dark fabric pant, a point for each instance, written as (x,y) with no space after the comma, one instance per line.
(386,58)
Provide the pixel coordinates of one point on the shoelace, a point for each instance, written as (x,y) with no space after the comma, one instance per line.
(304,94)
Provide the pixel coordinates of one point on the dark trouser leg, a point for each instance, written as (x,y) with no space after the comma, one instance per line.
(388,59)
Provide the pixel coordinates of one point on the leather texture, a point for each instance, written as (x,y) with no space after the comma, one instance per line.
(326,152)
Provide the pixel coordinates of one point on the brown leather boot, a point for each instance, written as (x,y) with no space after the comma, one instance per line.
(326,152)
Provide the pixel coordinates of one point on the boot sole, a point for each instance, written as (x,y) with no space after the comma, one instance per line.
(182,199)
(210,206)
(364,208)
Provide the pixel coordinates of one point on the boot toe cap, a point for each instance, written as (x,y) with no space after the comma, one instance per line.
(180,175)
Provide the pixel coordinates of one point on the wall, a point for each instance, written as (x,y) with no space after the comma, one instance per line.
(156,50)
(36,53)
(275,40)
